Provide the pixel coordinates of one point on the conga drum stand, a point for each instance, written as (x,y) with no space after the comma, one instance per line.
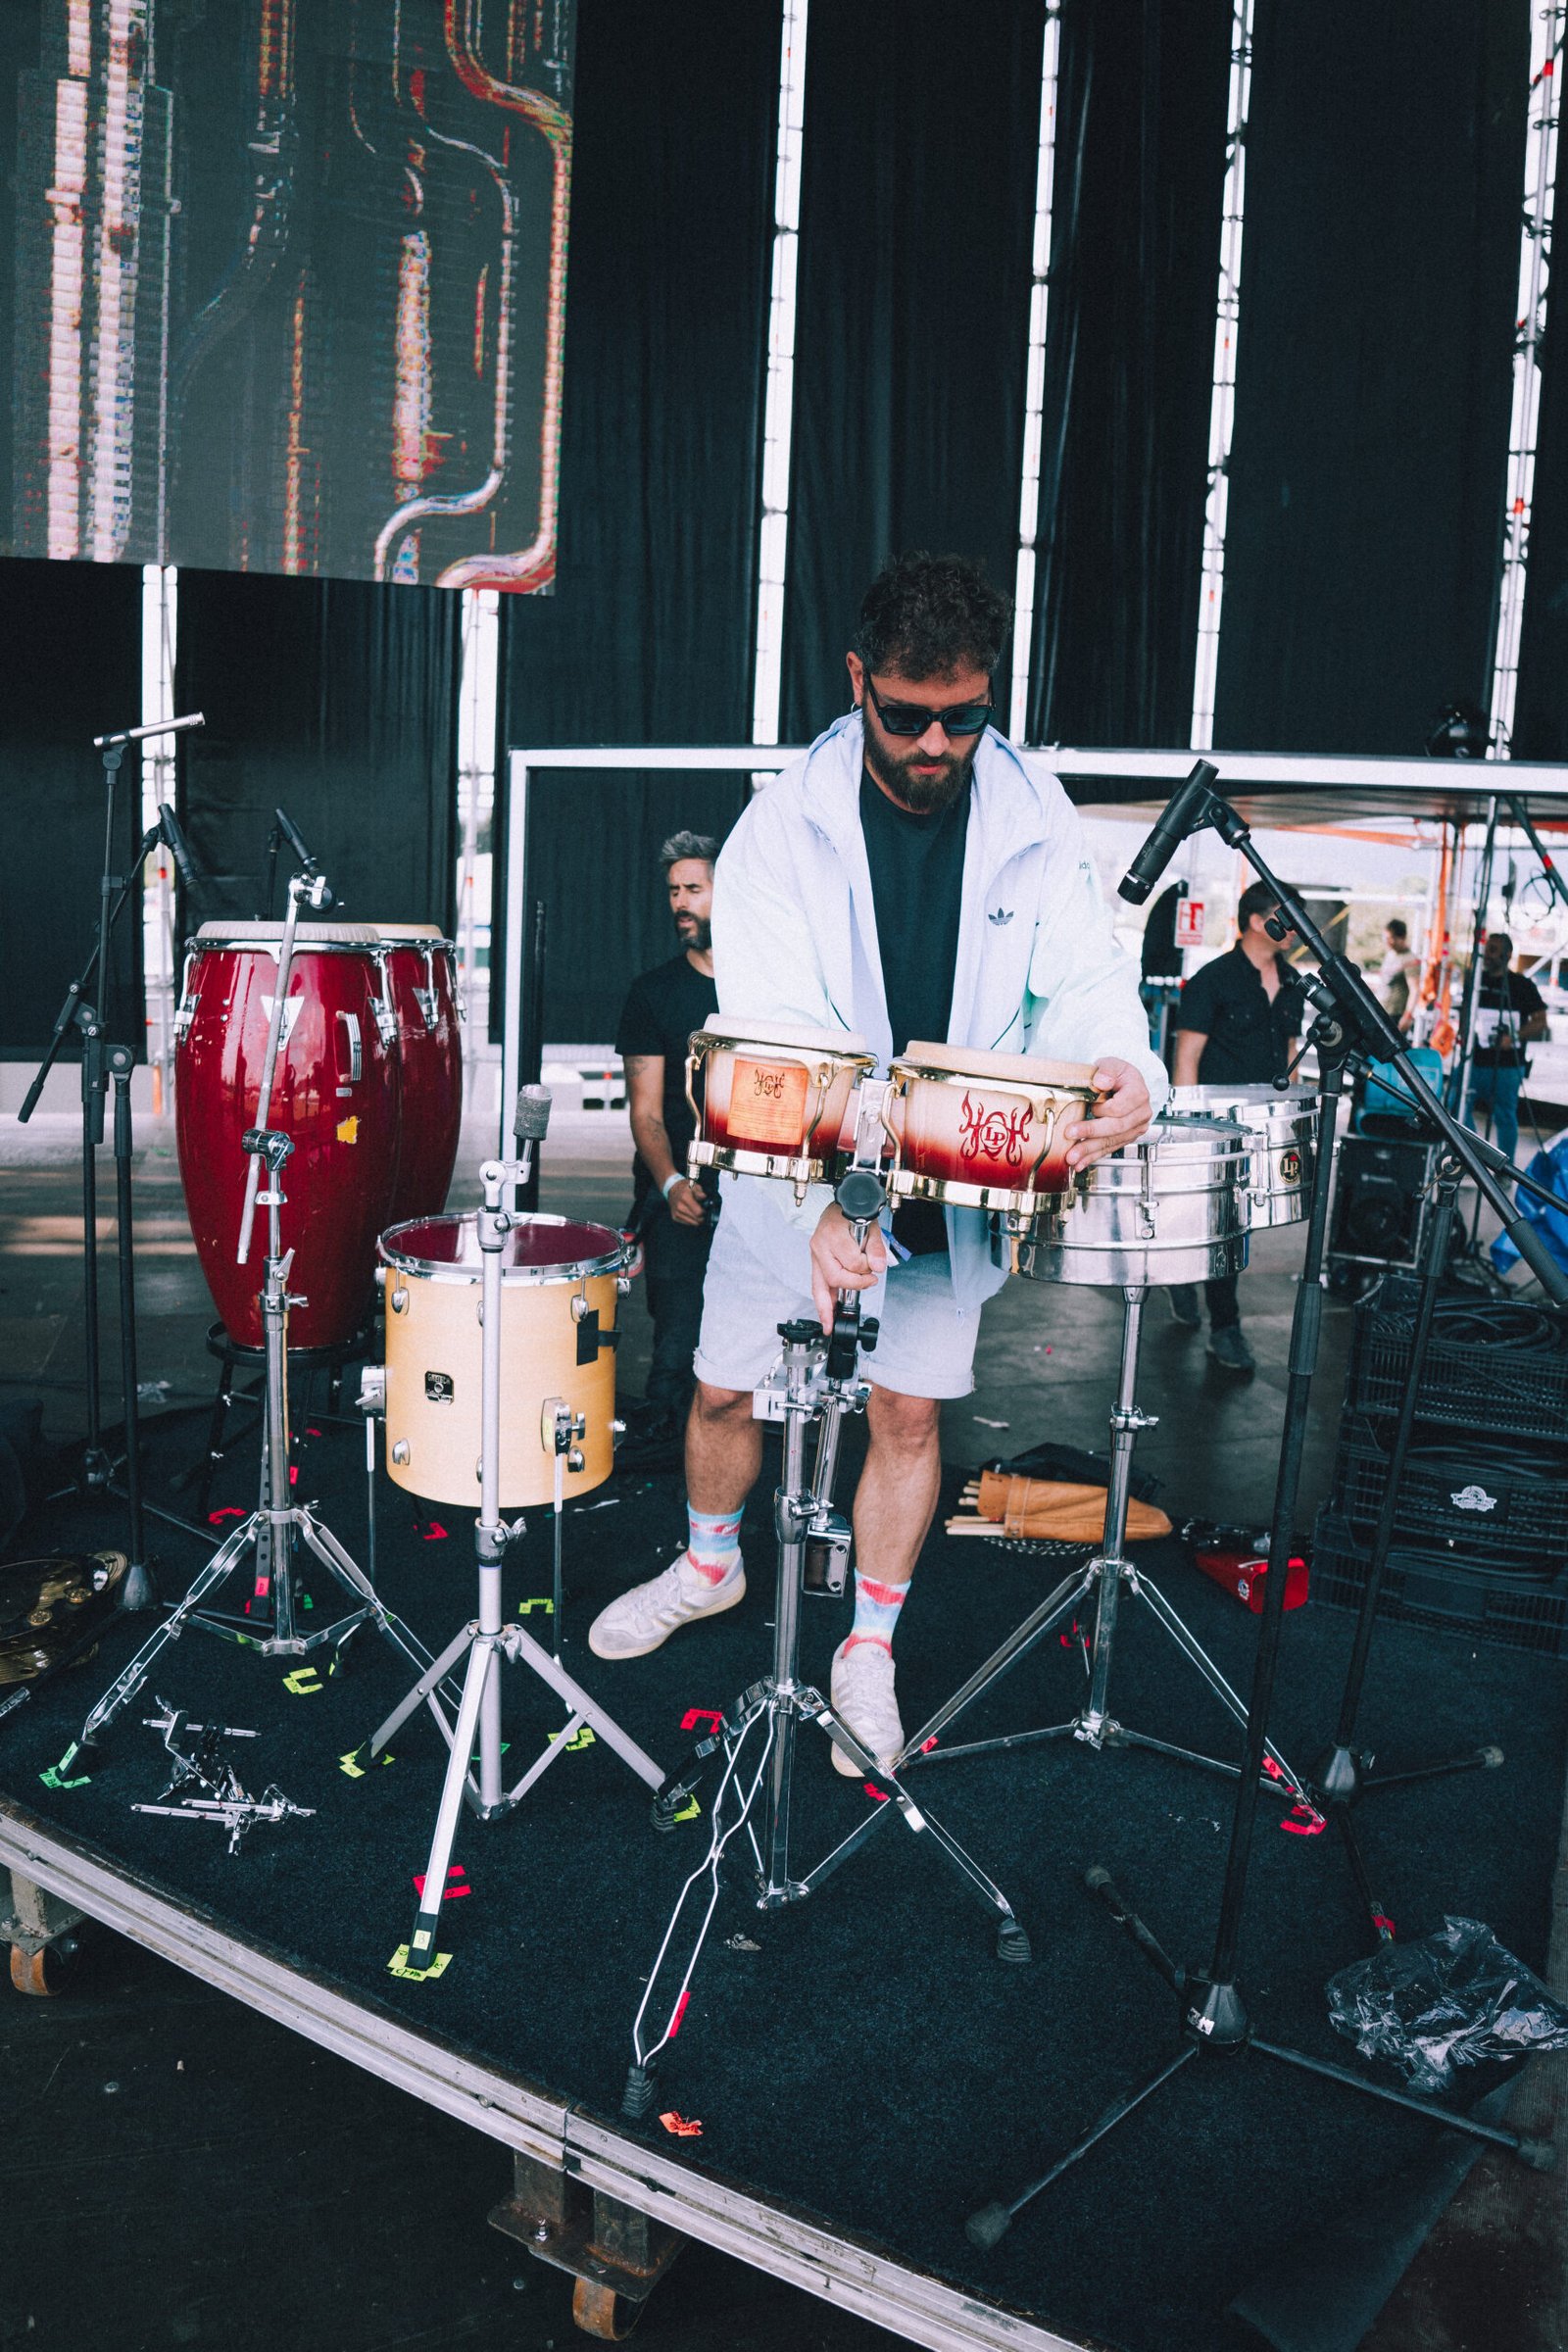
(485,1642)
(271,1529)
(820,1382)
(1102,1579)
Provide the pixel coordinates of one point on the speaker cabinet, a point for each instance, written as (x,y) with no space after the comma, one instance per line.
(1381,1201)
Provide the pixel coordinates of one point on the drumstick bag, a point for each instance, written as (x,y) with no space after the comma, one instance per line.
(1061,1509)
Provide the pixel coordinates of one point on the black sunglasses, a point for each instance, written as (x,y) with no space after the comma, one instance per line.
(907,718)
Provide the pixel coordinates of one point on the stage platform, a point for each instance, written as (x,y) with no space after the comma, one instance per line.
(863,2069)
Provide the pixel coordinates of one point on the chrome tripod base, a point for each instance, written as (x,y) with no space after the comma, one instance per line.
(757,1740)
(276,1531)
(1104,1579)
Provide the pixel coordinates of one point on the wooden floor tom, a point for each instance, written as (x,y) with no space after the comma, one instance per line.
(561,1284)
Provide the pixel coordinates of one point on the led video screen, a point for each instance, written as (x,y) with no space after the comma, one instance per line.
(286,287)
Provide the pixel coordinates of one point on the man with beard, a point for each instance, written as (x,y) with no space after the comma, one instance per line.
(671,1215)
(909,878)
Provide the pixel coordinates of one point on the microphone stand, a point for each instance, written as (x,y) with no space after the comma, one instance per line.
(1215,2019)
(106,1061)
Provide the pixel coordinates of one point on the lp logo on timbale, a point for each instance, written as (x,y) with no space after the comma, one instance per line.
(997,1136)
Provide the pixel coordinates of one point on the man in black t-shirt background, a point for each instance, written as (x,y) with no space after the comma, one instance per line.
(1236,1025)
(673,1216)
(1513,1014)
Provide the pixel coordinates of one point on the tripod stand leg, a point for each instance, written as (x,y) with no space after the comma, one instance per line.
(331,1553)
(1193,1650)
(482,1663)
(1538,2154)
(1019,1642)
(518,1643)
(986,2228)
(1382,1924)
(123,1689)
(1012,1944)
(424,1690)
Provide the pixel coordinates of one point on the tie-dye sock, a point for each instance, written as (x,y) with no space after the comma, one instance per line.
(876,1612)
(714,1544)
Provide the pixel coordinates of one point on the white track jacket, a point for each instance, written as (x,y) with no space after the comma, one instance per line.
(1038,968)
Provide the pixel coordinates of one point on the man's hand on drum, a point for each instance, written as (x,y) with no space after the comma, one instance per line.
(839,1263)
(1119,1116)
(686,1203)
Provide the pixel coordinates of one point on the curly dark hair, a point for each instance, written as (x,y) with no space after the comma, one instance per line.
(928,616)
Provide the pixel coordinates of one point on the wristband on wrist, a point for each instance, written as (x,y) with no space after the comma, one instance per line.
(670,1182)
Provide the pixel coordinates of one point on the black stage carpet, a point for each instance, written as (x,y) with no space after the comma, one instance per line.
(871,2063)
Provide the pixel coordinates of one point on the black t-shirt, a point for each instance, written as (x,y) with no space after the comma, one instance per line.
(1516,998)
(661,1009)
(1247,1036)
(917,890)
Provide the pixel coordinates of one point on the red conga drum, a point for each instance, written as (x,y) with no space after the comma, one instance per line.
(334,1092)
(419,996)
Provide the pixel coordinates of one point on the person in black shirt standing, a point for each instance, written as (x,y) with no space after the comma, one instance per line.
(673,1216)
(1236,1025)
(1512,1015)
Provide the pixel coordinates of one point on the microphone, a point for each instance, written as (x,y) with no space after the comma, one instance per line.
(1181,814)
(295,839)
(531,1117)
(174,840)
(163,727)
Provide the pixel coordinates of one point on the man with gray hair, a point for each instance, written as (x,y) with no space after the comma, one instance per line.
(673,1216)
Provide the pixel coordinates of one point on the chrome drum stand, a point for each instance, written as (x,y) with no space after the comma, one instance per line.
(1104,1578)
(485,1642)
(818,1382)
(273,1527)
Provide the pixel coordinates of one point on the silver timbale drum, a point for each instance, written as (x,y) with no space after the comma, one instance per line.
(1171,1208)
(1282,1126)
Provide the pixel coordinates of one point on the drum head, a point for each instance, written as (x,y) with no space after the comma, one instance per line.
(424,935)
(551,1248)
(742,1030)
(968,1061)
(271,934)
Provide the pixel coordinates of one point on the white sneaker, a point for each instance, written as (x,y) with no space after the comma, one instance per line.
(861,1690)
(646,1616)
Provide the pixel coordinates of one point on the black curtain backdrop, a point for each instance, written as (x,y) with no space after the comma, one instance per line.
(918,198)
(73,671)
(337,698)
(1540,710)
(1129,365)
(647,637)
(1379,274)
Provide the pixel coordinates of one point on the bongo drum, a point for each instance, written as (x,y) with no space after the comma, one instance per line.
(977,1130)
(335,1092)
(775,1099)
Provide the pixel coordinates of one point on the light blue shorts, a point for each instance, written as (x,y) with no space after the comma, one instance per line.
(925,1346)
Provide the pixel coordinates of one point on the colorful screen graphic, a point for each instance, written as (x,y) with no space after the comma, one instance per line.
(289,286)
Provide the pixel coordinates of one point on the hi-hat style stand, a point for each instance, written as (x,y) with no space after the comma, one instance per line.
(274,1628)
(485,1642)
(106,1061)
(820,1382)
(1215,2019)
